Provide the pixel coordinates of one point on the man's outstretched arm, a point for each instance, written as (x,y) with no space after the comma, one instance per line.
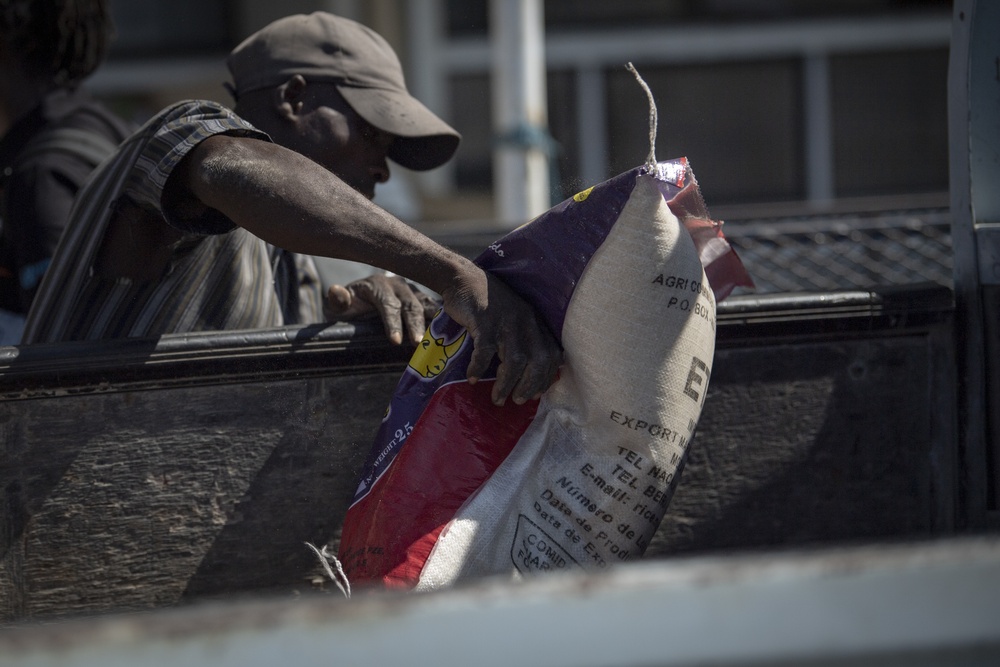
(294,203)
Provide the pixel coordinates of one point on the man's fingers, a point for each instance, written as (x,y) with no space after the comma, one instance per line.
(362,299)
(480,360)
(509,373)
(529,362)
(502,324)
(531,367)
(413,321)
(388,308)
(400,306)
(338,300)
(544,372)
(413,310)
(536,378)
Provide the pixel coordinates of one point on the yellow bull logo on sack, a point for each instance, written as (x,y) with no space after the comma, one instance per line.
(432,355)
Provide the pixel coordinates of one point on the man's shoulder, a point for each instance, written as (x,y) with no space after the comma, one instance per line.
(199,111)
(190,121)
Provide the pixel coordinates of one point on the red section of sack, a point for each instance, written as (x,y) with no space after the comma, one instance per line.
(723,268)
(459,441)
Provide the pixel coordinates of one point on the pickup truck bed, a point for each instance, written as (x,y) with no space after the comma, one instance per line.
(138,474)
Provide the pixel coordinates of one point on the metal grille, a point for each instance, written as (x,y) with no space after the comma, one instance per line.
(823,253)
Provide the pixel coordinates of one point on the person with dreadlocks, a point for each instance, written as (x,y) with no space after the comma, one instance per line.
(52,133)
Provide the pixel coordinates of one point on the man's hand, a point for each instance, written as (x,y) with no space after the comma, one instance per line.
(503,324)
(398,303)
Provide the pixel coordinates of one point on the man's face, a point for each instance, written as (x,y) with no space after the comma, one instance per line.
(331,133)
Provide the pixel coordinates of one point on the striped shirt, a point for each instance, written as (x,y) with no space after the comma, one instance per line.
(220,277)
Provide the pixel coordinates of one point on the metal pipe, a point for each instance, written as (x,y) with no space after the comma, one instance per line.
(520,114)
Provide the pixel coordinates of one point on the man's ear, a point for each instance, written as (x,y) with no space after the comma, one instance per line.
(290,96)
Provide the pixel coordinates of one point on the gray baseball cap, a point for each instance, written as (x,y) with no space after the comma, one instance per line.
(332,49)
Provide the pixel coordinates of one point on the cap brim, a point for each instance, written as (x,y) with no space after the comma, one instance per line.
(423,142)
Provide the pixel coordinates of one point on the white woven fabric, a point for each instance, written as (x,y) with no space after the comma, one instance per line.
(589,480)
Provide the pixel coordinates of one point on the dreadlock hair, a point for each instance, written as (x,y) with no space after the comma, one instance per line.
(62,40)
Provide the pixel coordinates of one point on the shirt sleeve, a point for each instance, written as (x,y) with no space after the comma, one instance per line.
(169,137)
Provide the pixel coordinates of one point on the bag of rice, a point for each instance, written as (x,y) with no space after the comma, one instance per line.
(456,487)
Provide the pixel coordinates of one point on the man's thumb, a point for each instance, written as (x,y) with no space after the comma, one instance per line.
(338,299)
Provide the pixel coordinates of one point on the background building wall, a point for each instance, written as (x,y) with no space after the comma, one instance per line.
(781,106)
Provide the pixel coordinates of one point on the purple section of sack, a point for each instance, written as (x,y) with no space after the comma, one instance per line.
(543,260)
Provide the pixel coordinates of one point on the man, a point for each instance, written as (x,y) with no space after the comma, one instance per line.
(195,223)
(52,134)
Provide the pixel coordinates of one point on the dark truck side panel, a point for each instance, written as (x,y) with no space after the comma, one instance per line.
(139,474)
